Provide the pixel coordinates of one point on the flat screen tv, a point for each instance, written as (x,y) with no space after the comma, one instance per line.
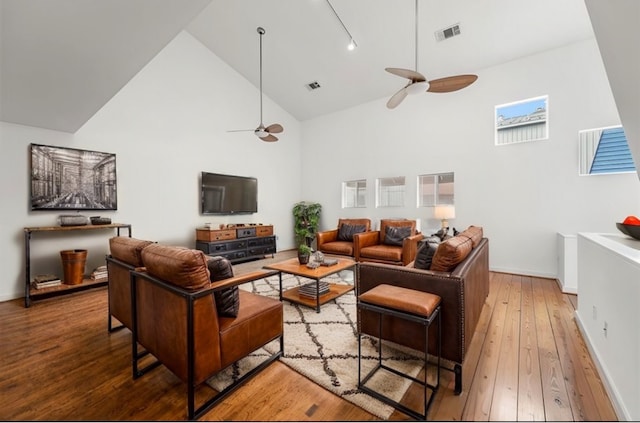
(228,194)
(71,179)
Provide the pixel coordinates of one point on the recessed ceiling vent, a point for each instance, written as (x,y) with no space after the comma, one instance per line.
(313,85)
(446,33)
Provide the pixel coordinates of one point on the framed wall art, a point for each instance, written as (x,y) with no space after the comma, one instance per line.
(65,178)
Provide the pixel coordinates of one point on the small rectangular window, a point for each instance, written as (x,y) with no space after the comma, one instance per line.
(604,151)
(522,121)
(390,192)
(354,194)
(435,189)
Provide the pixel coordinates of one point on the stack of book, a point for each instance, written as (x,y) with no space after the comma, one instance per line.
(309,290)
(100,274)
(45,281)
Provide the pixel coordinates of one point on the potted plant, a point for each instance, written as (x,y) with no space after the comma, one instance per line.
(304,252)
(307,218)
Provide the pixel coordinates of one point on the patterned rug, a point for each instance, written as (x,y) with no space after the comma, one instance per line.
(324,348)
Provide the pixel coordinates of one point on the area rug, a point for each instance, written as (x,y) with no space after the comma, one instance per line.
(324,348)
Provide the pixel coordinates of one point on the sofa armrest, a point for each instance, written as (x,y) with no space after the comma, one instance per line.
(410,248)
(326,236)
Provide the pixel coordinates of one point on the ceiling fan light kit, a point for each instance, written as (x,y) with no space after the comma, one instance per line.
(418,83)
(262,132)
(417,87)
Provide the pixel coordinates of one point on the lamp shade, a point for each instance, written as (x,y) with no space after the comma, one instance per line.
(444,212)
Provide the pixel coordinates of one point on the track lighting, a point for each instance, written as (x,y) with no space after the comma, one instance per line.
(352,43)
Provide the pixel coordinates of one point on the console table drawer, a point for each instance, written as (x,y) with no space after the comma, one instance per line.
(215,235)
(264,230)
(220,247)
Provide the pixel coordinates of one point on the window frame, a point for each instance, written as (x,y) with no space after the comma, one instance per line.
(389,194)
(438,198)
(357,190)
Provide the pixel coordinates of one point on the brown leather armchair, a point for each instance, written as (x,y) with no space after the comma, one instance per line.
(175,319)
(125,256)
(375,246)
(329,242)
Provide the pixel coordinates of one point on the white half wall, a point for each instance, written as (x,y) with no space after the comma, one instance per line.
(521,194)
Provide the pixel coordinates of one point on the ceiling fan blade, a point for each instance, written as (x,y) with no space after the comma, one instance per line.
(241,130)
(407,73)
(269,138)
(451,83)
(274,128)
(397,98)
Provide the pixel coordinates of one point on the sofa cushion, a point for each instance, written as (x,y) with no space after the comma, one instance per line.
(474,233)
(178,265)
(228,299)
(346,231)
(394,235)
(426,250)
(338,247)
(450,253)
(127,249)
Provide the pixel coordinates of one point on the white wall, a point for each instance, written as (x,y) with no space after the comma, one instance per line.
(166,126)
(521,194)
(170,122)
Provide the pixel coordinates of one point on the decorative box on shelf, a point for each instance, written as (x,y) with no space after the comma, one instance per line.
(205,234)
(264,230)
(73,220)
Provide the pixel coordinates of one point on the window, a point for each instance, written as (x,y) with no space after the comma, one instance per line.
(522,121)
(435,189)
(354,194)
(604,151)
(390,192)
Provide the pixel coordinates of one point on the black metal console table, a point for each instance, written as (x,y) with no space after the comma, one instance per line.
(60,289)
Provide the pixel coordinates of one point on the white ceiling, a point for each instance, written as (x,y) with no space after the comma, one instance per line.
(64,59)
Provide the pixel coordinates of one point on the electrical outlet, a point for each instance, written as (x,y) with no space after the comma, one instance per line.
(595,313)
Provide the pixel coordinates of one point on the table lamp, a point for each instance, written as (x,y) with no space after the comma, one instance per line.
(444,212)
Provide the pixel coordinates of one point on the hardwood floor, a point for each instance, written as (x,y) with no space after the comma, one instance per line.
(527,361)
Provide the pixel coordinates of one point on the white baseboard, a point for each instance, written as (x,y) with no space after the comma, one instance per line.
(523,272)
(9,297)
(619,408)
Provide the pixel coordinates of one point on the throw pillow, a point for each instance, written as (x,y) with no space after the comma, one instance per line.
(346,231)
(394,235)
(450,253)
(442,234)
(426,250)
(227,300)
(180,266)
(474,233)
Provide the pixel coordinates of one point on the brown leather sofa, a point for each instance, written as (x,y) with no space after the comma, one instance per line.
(375,246)
(463,290)
(125,256)
(175,319)
(336,241)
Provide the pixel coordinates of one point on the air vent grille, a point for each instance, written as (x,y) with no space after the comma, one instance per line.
(449,32)
(313,85)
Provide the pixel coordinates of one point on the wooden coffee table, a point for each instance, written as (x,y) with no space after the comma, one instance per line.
(293,267)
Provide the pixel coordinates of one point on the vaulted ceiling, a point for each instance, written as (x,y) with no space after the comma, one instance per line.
(62,60)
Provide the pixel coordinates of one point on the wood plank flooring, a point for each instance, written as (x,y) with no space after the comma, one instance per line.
(527,361)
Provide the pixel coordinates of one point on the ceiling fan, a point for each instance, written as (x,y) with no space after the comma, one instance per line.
(262,132)
(418,83)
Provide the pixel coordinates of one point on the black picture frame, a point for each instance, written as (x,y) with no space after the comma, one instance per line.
(64,178)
